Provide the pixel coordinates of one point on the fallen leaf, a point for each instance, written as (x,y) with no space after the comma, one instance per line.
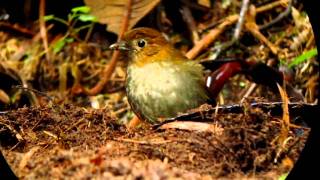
(4,97)
(111,12)
(205,3)
(194,126)
(299,19)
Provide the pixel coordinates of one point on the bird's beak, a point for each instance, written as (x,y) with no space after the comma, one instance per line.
(122,46)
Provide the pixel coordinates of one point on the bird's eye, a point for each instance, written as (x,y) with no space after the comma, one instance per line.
(141,43)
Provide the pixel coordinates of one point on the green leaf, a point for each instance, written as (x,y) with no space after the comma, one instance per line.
(303,57)
(69,40)
(48,17)
(81,9)
(283,176)
(87,18)
(59,45)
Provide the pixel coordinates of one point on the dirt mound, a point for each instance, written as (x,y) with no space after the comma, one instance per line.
(70,141)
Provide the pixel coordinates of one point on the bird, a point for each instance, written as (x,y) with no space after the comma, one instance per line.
(160,81)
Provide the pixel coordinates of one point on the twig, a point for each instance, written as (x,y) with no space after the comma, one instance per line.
(89,33)
(244,8)
(211,36)
(279,17)
(35,91)
(282,149)
(75,124)
(248,92)
(214,33)
(17,28)
(291,125)
(15,146)
(188,18)
(50,134)
(238,29)
(273,108)
(253,28)
(149,142)
(109,69)
(216,111)
(272,5)
(17,134)
(43,30)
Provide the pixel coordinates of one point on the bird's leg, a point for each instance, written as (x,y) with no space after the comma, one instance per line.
(133,123)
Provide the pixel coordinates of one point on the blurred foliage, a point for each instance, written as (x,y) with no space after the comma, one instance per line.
(303,57)
(81,13)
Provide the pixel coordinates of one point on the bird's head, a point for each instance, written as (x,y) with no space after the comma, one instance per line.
(145,45)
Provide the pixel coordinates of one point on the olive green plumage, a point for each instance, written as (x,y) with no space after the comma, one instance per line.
(161,82)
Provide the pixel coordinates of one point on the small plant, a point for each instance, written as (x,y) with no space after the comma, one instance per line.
(283,176)
(303,57)
(82,14)
(300,59)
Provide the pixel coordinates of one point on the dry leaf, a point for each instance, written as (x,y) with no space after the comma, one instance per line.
(28,157)
(304,29)
(4,97)
(285,117)
(299,20)
(111,12)
(205,3)
(194,126)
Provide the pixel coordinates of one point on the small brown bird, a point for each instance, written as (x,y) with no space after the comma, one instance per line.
(161,81)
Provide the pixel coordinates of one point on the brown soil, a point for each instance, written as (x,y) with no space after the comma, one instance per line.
(65,142)
(74,141)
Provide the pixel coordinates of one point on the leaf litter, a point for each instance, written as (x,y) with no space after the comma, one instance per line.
(74,142)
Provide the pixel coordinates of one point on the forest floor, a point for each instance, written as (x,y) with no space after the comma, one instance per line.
(51,128)
(71,141)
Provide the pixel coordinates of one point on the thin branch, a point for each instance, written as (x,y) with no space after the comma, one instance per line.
(272,5)
(253,28)
(249,91)
(211,36)
(237,31)
(43,30)
(35,91)
(214,33)
(188,18)
(89,32)
(17,28)
(144,142)
(279,17)
(109,69)
(244,8)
